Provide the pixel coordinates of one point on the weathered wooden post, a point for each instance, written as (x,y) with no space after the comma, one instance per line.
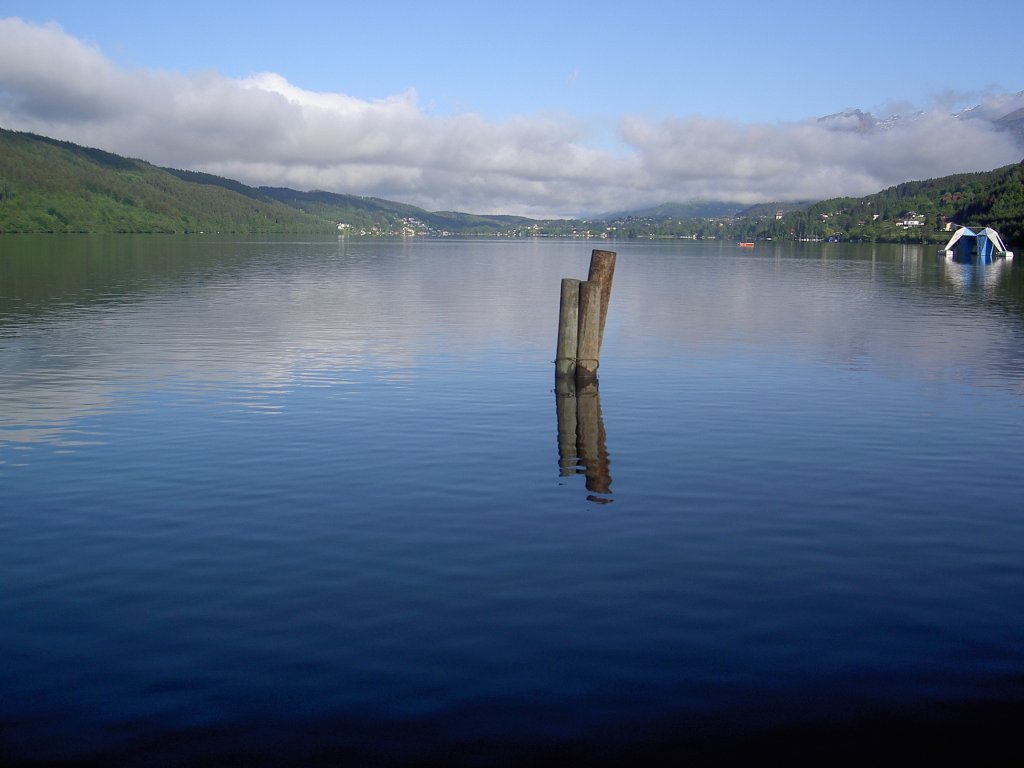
(568,322)
(602,270)
(581,320)
(588,343)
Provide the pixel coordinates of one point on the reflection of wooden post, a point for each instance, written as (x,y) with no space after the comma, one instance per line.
(568,327)
(591,439)
(565,405)
(588,343)
(582,443)
(602,270)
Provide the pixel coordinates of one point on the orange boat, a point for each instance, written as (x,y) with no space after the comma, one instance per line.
(746,245)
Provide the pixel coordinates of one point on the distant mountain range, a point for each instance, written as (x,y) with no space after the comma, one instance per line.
(853,120)
(47,185)
(703,209)
(1011,121)
(695,209)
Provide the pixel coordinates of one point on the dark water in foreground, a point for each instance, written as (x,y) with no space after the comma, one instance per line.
(291,503)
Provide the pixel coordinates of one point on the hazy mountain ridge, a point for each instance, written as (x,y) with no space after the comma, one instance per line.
(692,209)
(48,185)
(1006,115)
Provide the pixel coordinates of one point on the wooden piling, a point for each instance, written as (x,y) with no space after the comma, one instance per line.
(588,343)
(568,328)
(602,270)
(581,320)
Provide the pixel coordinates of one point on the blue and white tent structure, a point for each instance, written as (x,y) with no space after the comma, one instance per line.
(968,245)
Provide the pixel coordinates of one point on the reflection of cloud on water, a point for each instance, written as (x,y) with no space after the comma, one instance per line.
(243,325)
(966,276)
(885,308)
(57,435)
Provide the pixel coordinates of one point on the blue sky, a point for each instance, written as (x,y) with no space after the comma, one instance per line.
(608,83)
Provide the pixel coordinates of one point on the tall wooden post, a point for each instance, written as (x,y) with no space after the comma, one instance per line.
(602,270)
(588,344)
(581,319)
(568,328)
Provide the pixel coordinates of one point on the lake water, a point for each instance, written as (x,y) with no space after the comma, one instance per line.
(280,502)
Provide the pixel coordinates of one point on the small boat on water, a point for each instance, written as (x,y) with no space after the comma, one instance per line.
(968,245)
(745,245)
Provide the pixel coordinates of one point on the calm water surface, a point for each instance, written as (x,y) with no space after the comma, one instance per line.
(284,502)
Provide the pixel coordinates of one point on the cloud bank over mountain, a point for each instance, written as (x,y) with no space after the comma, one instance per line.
(263,129)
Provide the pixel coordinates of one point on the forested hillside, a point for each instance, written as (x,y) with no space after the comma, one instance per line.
(916,211)
(55,186)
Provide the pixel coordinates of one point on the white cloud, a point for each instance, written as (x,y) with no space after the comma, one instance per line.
(264,130)
(811,159)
